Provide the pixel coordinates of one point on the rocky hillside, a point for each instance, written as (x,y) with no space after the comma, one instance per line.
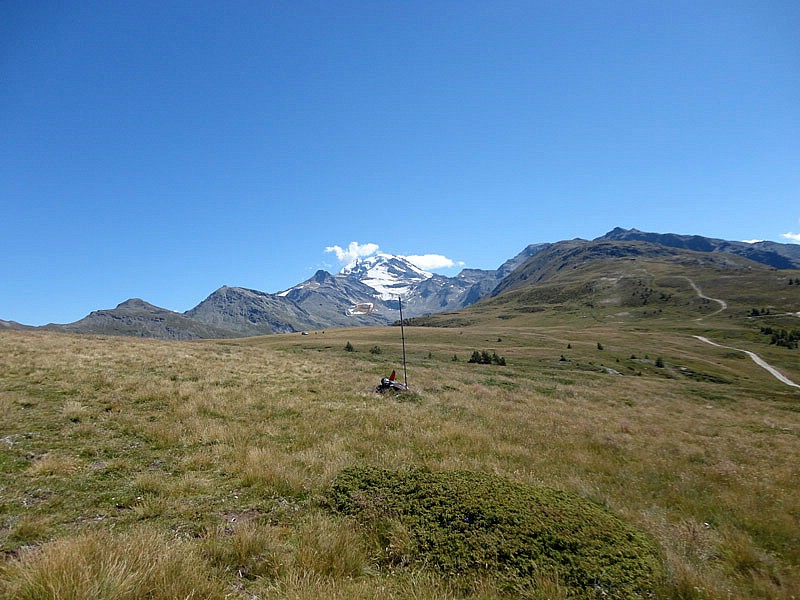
(135,317)
(780,256)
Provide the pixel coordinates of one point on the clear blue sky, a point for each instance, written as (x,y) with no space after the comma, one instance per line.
(163,149)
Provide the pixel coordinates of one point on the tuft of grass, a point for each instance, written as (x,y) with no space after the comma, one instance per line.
(54,463)
(247,549)
(29,528)
(330,548)
(140,565)
(272,472)
(74,411)
(470,524)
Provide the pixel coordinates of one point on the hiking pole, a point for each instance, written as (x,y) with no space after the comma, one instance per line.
(403,337)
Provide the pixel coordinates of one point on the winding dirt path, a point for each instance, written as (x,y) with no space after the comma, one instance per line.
(756,359)
(723,305)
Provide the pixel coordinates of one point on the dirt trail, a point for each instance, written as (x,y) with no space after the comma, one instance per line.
(723,305)
(757,359)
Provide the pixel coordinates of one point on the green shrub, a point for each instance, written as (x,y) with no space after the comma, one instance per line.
(471,524)
(484,358)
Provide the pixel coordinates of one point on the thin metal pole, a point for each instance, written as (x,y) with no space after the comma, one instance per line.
(403,337)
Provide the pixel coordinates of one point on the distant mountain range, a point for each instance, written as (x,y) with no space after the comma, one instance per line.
(322,301)
(780,256)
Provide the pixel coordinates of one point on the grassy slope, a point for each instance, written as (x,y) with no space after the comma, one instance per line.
(223,449)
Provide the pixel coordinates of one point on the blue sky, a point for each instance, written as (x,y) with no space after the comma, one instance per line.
(163,149)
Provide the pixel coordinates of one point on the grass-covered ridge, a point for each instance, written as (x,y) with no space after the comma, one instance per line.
(466,523)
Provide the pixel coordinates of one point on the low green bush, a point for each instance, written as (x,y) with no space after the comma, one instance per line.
(484,358)
(476,525)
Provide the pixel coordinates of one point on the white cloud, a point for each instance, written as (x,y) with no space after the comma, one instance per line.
(354,250)
(429,262)
(426,262)
(792,236)
(752,241)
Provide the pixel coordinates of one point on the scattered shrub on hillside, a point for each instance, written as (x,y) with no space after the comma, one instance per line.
(376,350)
(599,346)
(348,347)
(782,337)
(660,362)
(484,358)
(473,525)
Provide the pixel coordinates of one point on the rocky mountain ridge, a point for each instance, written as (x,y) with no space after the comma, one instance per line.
(780,256)
(317,303)
(322,300)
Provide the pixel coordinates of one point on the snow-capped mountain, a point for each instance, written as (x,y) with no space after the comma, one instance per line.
(389,275)
(421,292)
(383,279)
(317,303)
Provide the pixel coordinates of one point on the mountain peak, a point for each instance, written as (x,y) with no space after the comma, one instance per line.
(619,231)
(137,304)
(321,276)
(389,275)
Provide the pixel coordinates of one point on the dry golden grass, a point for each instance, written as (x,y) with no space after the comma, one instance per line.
(142,564)
(208,459)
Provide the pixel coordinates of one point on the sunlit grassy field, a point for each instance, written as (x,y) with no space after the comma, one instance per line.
(149,469)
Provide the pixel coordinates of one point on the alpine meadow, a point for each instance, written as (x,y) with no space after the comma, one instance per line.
(604,450)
